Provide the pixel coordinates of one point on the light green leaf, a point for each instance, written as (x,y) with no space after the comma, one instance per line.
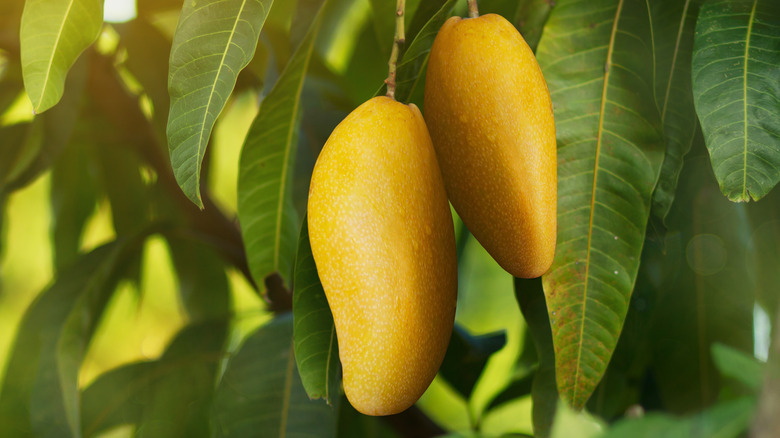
(597,59)
(40,394)
(736,87)
(738,365)
(316,345)
(213,42)
(53,35)
(572,424)
(262,391)
(673,23)
(268,219)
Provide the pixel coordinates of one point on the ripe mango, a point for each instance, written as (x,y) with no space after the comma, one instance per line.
(383,241)
(491,120)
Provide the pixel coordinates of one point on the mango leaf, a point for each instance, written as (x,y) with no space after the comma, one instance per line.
(410,75)
(316,346)
(467,356)
(40,393)
(575,424)
(168,397)
(738,365)
(724,420)
(213,42)
(530,19)
(268,219)
(203,283)
(737,93)
(352,423)
(598,67)
(424,12)
(53,35)
(673,25)
(544,393)
(261,390)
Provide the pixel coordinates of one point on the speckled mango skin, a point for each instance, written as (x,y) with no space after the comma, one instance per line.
(383,241)
(490,117)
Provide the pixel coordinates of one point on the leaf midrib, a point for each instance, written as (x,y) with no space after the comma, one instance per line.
(674,59)
(744,100)
(593,197)
(53,52)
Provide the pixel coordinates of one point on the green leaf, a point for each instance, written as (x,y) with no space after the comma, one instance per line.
(168,397)
(530,19)
(73,195)
(724,420)
(262,391)
(544,393)
(738,365)
(599,68)
(268,219)
(352,423)
(214,41)
(316,346)
(53,35)
(410,74)
(575,424)
(737,96)
(467,356)
(673,23)
(40,393)
(203,283)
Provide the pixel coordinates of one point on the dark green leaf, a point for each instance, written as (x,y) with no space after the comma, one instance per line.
(203,284)
(424,12)
(53,35)
(268,218)
(262,391)
(467,356)
(40,393)
(673,24)
(737,93)
(73,194)
(738,365)
(725,420)
(316,346)
(410,74)
(530,19)
(544,392)
(352,423)
(164,398)
(214,41)
(598,66)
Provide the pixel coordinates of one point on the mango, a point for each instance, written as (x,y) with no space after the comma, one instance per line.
(383,241)
(491,120)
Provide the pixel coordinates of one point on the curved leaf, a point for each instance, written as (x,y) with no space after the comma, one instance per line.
(168,397)
(40,393)
(268,219)
(261,391)
(736,88)
(673,23)
(53,35)
(214,41)
(597,59)
(316,347)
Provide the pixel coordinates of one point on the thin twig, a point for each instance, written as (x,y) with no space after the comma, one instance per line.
(397,42)
(473,10)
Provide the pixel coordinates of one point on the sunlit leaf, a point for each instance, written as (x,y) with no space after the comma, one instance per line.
(673,24)
(214,41)
(53,35)
(40,393)
(736,89)
(262,391)
(575,424)
(168,397)
(316,346)
(597,59)
(268,219)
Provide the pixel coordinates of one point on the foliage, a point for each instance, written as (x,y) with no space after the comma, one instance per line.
(193,118)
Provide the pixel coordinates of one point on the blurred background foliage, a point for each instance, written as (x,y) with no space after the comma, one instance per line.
(172,300)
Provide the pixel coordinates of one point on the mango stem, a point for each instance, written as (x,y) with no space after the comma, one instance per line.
(473,10)
(397,42)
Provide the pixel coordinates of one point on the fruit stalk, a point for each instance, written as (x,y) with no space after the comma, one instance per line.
(398,40)
(473,10)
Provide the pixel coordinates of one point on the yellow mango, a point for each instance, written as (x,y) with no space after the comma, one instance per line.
(383,241)
(491,120)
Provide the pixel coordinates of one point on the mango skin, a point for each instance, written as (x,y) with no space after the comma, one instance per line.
(490,117)
(383,241)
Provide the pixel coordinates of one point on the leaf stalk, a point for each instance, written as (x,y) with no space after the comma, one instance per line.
(398,40)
